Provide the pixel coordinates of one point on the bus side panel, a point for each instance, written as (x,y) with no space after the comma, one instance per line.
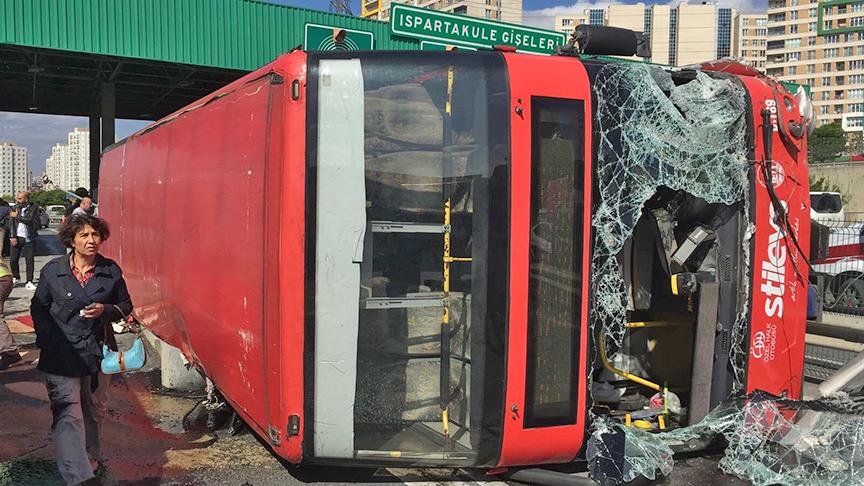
(126,192)
(779,270)
(190,215)
(288,342)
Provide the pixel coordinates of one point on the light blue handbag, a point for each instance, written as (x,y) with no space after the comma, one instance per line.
(119,361)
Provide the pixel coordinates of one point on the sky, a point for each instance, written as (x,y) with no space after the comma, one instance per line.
(40,132)
(541,13)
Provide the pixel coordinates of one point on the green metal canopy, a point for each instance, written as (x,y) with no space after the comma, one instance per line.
(229,34)
(158,54)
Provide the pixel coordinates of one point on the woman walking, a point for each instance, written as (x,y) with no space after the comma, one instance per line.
(73,304)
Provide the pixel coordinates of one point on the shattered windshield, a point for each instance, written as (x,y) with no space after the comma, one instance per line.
(665,141)
(671,180)
(653,134)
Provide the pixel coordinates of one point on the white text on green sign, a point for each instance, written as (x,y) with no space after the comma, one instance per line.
(429,24)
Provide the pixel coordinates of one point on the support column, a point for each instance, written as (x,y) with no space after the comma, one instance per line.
(95,144)
(107,105)
(703,352)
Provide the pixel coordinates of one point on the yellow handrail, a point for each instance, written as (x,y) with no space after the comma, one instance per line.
(447,260)
(629,376)
(641,324)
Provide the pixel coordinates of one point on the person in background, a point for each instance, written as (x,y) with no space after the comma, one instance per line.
(5,209)
(74,202)
(86,207)
(23,227)
(9,354)
(79,295)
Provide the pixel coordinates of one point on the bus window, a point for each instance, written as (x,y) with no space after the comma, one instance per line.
(555,276)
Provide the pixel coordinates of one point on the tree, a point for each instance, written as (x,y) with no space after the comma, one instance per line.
(855,145)
(826,143)
(47,198)
(822,184)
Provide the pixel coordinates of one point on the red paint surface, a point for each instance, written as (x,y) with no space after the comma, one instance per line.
(776,340)
(850,258)
(558,78)
(291,254)
(840,251)
(195,207)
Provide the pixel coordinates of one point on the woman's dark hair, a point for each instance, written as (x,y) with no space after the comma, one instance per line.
(76,223)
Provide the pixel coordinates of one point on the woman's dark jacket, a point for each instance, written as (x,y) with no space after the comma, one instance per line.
(70,344)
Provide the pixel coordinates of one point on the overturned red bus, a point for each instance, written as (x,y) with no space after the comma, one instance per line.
(409,257)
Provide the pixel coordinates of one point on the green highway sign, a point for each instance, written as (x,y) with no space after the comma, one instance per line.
(455,29)
(329,38)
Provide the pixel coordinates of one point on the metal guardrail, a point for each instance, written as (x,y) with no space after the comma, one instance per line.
(820,362)
(841,266)
(836,335)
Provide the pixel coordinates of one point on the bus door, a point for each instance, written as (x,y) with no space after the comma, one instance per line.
(547,353)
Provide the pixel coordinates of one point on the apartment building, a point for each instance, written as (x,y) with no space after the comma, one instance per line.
(55,166)
(821,44)
(567,23)
(78,166)
(503,10)
(68,166)
(752,34)
(680,35)
(13,169)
